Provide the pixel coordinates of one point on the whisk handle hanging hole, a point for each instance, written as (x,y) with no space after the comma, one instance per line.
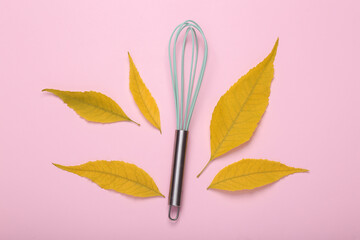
(177,209)
(177,170)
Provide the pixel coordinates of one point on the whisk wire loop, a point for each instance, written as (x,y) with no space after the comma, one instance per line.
(184,114)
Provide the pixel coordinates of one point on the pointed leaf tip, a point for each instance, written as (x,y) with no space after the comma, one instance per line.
(274,50)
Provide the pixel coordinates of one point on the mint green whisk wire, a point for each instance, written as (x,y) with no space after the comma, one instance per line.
(183,117)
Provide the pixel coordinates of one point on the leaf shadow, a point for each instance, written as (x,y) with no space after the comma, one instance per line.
(246,192)
(252,192)
(130,196)
(112,191)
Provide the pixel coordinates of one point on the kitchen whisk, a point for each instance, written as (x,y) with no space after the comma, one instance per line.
(183,111)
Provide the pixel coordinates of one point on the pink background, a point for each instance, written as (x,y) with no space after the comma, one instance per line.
(312,121)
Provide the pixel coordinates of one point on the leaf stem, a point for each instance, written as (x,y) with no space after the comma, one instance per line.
(134,122)
(203,169)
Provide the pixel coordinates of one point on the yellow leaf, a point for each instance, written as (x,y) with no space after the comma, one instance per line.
(239,110)
(142,97)
(117,175)
(92,106)
(250,174)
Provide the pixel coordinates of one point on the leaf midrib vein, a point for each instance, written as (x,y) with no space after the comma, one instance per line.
(142,99)
(249,174)
(115,175)
(104,109)
(237,115)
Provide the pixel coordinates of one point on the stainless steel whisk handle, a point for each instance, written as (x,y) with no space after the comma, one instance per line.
(177,172)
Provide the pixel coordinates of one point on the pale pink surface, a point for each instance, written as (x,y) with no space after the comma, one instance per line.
(312,121)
